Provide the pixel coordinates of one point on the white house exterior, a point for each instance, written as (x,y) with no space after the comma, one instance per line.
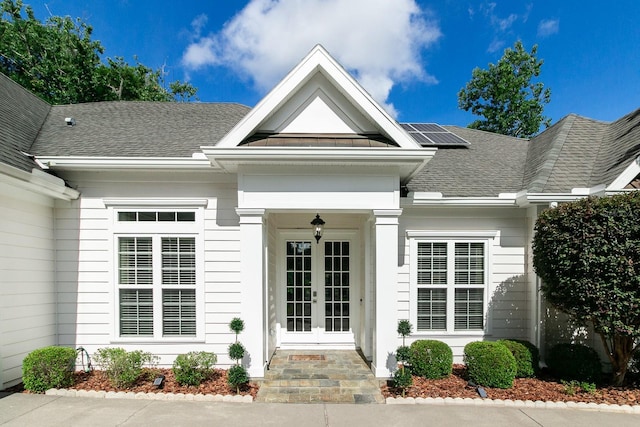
(151,225)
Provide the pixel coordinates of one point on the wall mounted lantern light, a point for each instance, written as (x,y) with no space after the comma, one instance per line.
(318,227)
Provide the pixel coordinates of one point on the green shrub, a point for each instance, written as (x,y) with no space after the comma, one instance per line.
(48,367)
(574,362)
(236,376)
(402,379)
(490,364)
(236,351)
(430,359)
(123,368)
(194,367)
(403,353)
(526,364)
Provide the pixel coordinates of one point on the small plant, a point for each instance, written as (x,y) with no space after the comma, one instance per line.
(48,367)
(525,360)
(431,359)
(490,364)
(570,388)
(194,367)
(588,387)
(574,362)
(402,377)
(123,368)
(237,375)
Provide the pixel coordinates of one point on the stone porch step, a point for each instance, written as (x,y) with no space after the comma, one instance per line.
(314,376)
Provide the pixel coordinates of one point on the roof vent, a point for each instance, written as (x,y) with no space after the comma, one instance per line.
(70,121)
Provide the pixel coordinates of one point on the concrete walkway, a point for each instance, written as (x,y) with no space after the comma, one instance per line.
(40,410)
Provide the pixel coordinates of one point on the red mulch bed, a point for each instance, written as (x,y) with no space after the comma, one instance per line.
(217,384)
(544,388)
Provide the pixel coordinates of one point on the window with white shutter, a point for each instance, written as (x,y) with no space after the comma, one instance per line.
(450,284)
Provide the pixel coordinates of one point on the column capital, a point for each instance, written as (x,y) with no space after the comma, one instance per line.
(250,215)
(387,216)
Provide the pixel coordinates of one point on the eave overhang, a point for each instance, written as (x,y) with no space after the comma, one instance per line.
(408,161)
(37,181)
(198,161)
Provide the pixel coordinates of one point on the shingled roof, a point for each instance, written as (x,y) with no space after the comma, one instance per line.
(135,129)
(21,116)
(575,152)
(490,165)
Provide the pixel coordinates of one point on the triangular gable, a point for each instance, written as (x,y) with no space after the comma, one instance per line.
(318,96)
(629,179)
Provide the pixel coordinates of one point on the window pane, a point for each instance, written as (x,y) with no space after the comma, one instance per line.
(469,263)
(469,309)
(136,312)
(432,263)
(432,309)
(135,265)
(166,216)
(186,216)
(146,216)
(178,312)
(178,261)
(126,216)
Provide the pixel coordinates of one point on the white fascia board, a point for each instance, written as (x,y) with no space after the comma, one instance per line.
(410,161)
(626,176)
(99,163)
(437,199)
(576,194)
(37,181)
(318,60)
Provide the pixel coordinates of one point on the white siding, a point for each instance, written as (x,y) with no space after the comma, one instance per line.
(27,285)
(508,305)
(86,259)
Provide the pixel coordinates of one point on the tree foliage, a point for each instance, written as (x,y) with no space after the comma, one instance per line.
(505,95)
(588,255)
(58,61)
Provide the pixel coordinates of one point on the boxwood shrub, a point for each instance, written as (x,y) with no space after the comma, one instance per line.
(574,362)
(490,364)
(194,367)
(526,356)
(430,359)
(123,368)
(48,367)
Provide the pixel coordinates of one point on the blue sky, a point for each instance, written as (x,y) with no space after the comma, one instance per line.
(412,56)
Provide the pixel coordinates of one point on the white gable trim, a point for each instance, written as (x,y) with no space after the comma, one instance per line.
(37,181)
(626,177)
(317,61)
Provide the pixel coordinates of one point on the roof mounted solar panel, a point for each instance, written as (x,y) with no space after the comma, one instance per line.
(431,134)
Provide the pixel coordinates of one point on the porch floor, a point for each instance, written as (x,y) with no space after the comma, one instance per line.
(319,376)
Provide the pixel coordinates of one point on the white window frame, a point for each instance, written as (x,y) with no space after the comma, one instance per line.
(488,238)
(158,230)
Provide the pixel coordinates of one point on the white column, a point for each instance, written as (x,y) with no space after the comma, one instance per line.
(252,286)
(386,292)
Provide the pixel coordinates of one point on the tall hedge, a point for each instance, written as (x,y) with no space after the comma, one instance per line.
(587,253)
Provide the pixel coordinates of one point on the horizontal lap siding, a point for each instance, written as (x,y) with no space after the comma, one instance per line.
(27,281)
(86,261)
(508,306)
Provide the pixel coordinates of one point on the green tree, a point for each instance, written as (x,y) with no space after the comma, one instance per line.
(505,95)
(588,255)
(58,61)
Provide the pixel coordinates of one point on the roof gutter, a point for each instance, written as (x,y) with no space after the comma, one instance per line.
(37,181)
(197,161)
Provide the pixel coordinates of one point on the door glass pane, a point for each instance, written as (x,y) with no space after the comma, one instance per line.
(298,286)
(336,262)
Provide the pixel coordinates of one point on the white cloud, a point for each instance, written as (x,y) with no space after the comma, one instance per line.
(379,41)
(548,27)
(495,45)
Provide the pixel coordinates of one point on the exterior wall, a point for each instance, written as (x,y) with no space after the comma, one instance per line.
(27,282)
(508,307)
(86,259)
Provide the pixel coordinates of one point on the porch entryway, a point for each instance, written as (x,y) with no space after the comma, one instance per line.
(318,290)
(312,376)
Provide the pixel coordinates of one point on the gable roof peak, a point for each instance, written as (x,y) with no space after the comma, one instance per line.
(318,75)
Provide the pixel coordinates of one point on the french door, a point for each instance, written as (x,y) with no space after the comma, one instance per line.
(318,290)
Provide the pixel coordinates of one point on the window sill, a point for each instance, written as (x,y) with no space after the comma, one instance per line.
(163,340)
